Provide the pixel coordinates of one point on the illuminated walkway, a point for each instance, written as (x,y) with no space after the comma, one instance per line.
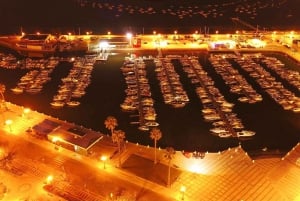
(228,175)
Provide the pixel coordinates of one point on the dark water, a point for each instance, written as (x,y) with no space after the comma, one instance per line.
(182,128)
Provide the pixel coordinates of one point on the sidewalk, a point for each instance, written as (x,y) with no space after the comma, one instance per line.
(228,175)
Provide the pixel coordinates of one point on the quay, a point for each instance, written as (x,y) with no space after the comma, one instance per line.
(227,175)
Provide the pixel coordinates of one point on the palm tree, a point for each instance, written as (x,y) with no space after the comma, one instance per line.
(118,137)
(170,152)
(2,90)
(111,123)
(2,101)
(155,134)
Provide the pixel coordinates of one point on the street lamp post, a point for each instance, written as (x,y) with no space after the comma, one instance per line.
(103,159)
(25,112)
(49,179)
(182,190)
(9,122)
(129,37)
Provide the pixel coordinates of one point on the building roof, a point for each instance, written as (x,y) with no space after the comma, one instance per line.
(45,127)
(35,37)
(77,136)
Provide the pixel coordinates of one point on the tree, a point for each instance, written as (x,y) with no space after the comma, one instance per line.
(111,123)
(2,101)
(170,152)
(2,90)
(118,137)
(155,134)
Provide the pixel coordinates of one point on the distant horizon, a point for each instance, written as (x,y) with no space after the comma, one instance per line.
(102,16)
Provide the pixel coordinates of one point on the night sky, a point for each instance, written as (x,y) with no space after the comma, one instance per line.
(99,15)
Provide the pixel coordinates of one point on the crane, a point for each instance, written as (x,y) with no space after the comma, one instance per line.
(238,20)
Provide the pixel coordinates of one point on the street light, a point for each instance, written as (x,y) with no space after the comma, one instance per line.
(9,122)
(182,190)
(103,159)
(129,37)
(109,34)
(26,111)
(49,179)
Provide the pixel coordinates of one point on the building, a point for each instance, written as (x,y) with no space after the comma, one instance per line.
(36,44)
(69,136)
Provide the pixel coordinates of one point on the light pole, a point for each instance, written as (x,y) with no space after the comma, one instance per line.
(103,159)
(129,37)
(9,122)
(182,190)
(49,179)
(25,112)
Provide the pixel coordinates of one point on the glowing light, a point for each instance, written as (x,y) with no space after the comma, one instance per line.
(182,190)
(56,139)
(103,159)
(163,43)
(197,168)
(26,111)
(9,122)
(49,179)
(103,44)
(257,43)
(129,35)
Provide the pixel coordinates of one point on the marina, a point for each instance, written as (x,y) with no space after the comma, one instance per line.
(211,95)
(150,100)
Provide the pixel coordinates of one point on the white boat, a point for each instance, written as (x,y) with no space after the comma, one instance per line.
(57,104)
(151,123)
(296,109)
(17,90)
(243,99)
(212,117)
(208,111)
(219,123)
(224,135)
(227,104)
(218,130)
(128,107)
(144,128)
(73,103)
(245,133)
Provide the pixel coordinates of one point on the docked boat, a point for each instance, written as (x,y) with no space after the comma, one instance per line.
(243,99)
(218,130)
(17,90)
(143,128)
(151,123)
(296,109)
(245,133)
(57,104)
(128,107)
(73,103)
(224,135)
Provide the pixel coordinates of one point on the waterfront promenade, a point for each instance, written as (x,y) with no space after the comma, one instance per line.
(227,175)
